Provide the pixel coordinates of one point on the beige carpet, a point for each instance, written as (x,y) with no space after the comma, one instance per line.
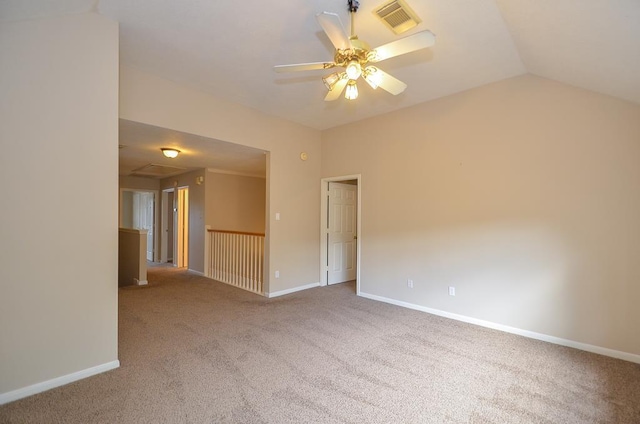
(196,351)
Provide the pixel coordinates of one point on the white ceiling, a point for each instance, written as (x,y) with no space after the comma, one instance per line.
(229,48)
(141,144)
(593,44)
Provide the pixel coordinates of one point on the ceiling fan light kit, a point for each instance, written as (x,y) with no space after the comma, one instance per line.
(372,76)
(331,80)
(354,70)
(354,56)
(351,93)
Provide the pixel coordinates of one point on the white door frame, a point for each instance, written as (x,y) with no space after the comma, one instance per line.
(324,204)
(164,217)
(180,231)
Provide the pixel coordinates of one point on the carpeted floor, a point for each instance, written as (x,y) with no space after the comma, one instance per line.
(197,351)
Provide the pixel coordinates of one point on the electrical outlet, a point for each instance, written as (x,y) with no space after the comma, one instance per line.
(410,284)
(452,291)
(277,274)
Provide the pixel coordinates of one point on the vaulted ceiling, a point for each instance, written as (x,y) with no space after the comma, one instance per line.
(229,48)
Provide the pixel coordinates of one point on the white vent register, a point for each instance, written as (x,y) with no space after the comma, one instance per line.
(398,16)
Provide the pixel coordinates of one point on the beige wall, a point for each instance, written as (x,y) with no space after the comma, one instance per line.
(235,202)
(132,257)
(222,201)
(59,129)
(522,194)
(139,183)
(126,209)
(196,214)
(292,184)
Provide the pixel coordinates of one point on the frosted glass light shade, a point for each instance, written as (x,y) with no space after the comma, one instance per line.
(372,76)
(352,91)
(354,70)
(331,80)
(170,153)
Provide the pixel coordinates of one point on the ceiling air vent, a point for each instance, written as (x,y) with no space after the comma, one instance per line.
(398,16)
(153,170)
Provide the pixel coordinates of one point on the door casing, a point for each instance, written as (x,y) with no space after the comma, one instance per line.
(324,204)
(181,227)
(165,216)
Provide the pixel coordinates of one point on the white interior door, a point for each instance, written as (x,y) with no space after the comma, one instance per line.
(341,234)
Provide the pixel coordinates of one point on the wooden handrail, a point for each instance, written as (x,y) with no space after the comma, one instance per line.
(244,233)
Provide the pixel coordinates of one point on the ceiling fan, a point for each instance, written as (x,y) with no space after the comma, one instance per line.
(355,56)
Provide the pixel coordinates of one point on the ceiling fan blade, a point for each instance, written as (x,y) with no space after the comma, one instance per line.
(334,93)
(332,26)
(378,78)
(304,67)
(417,41)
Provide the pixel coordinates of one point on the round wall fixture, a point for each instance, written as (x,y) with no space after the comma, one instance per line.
(304,156)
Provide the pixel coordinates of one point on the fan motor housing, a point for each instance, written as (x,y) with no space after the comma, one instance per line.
(343,57)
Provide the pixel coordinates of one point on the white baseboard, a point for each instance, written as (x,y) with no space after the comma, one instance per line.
(293,290)
(526,333)
(56,382)
(196,272)
(140,282)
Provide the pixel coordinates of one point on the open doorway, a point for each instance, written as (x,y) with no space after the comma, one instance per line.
(167,221)
(181,228)
(174,243)
(340,230)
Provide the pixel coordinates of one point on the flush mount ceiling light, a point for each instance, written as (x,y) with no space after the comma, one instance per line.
(355,56)
(169,152)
